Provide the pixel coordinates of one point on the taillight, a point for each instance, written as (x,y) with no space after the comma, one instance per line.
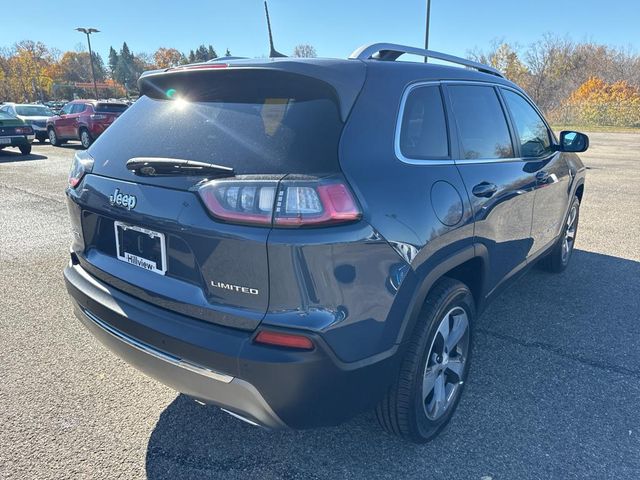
(287,340)
(315,204)
(24,130)
(289,203)
(240,201)
(81,165)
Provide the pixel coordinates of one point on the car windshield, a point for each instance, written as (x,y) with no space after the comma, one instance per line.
(33,111)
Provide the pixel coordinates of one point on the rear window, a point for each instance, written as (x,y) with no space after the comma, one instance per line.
(253,121)
(34,111)
(111,107)
(6,116)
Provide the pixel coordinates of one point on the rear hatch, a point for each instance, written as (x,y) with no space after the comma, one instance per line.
(107,112)
(153,236)
(11,126)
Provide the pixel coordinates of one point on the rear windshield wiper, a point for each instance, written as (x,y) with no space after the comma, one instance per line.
(155,166)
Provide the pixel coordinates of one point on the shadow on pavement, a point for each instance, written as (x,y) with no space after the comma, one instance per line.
(70,146)
(9,156)
(553,393)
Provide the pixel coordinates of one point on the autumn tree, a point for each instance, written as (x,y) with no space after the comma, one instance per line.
(25,68)
(76,67)
(554,68)
(167,57)
(597,102)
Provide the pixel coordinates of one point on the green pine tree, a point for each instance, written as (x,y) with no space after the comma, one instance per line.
(211,53)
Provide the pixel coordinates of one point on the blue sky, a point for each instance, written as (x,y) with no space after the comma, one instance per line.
(334,27)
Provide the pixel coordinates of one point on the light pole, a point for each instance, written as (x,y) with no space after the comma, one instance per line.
(426,30)
(87,32)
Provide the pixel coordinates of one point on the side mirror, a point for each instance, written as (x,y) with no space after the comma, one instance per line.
(575,142)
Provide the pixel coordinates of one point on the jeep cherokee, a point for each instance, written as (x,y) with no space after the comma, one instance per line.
(297,240)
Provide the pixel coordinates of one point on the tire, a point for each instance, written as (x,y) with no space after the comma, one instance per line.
(85,138)
(405,410)
(53,137)
(558,258)
(25,149)
(41,138)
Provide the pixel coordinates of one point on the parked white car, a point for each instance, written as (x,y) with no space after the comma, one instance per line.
(34,114)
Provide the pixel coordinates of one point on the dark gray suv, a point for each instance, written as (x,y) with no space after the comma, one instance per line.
(296,240)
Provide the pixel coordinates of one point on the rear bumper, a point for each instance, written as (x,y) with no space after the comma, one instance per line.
(194,380)
(269,386)
(18,141)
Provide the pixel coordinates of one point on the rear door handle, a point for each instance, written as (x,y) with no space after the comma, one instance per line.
(484,189)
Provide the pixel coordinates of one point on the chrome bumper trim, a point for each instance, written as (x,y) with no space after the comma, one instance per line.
(143,347)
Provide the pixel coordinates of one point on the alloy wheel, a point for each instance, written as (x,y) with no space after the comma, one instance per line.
(570,234)
(85,139)
(446,363)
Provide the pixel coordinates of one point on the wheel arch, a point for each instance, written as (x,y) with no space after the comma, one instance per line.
(468,266)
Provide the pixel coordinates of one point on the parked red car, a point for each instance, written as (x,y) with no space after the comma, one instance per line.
(83,120)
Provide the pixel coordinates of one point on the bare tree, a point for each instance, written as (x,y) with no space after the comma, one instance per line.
(304,50)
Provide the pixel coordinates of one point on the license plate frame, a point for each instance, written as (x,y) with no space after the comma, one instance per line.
(5,140)
(137,260)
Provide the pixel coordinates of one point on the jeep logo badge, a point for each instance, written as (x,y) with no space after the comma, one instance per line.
(123,200)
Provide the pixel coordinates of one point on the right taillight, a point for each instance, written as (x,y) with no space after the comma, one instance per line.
(301,203)
(289,203)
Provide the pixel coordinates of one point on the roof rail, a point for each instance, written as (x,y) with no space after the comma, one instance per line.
(391,51)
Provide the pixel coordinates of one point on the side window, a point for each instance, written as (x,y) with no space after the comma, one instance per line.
(423,132)
(78,108)
(482,126)
(66,110)
(533,133)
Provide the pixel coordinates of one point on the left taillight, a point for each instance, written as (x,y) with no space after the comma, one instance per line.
(81,165)
(240,201)
(288,203)
(24,130)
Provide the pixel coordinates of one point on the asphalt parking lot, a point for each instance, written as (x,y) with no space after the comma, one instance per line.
(554,391)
